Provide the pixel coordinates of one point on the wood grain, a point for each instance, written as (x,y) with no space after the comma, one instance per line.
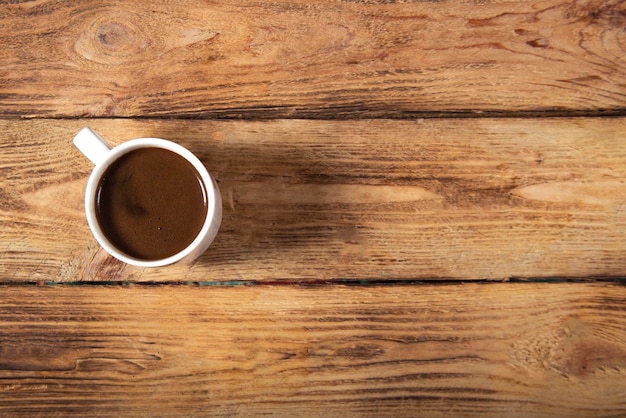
(311,59)
(494,350)
(358,200)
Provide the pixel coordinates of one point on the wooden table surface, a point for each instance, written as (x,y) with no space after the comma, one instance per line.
(424,209)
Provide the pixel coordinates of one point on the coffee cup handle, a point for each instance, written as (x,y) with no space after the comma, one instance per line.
(92,145)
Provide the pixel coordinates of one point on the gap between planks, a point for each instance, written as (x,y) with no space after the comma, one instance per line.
(251,114)
(319,283)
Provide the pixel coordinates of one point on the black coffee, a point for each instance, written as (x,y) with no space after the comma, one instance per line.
(151,203)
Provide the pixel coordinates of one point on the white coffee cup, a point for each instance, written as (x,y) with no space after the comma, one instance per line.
(102,155)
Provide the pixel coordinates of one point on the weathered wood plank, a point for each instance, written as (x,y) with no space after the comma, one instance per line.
(457,350)
(316,200)
(303,58)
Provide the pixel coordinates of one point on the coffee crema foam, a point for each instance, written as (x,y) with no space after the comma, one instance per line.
(151,203)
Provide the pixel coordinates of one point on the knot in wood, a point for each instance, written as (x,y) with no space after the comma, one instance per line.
(113,42)
(116,35)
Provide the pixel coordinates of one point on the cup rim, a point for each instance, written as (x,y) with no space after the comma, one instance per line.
(114,155)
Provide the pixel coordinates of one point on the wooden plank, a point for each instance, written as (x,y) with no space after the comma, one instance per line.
(318,200)
(456,350)
(304,58)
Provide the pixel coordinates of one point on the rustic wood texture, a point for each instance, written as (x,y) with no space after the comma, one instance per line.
(317,200)
(304,58)
(311,302)
(523,350)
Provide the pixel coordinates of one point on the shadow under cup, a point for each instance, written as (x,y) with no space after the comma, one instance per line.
(151,202)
